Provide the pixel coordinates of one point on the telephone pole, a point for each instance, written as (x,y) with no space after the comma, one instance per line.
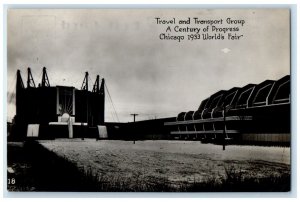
(134,115)
(224,129)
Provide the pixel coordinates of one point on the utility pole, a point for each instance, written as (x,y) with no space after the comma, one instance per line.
(224,129)
(134,115)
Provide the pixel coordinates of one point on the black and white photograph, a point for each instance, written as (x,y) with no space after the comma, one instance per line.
(149,100)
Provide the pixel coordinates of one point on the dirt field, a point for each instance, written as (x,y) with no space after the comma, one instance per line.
(146,162)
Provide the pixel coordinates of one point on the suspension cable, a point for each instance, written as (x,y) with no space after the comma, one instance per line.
(111,102)
(111,111)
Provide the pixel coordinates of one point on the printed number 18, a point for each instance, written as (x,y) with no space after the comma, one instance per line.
(11,181)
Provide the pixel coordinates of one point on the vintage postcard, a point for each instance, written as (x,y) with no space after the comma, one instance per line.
(148,100)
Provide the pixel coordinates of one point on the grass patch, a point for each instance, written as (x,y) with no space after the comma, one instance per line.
(45,171)
(38,169)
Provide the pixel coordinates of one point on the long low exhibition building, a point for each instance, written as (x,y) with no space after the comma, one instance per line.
(253,113)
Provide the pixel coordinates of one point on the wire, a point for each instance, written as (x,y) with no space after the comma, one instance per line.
(111,111)
(70,104)
(111,102)
(51,74)
(90,83)
(39,78)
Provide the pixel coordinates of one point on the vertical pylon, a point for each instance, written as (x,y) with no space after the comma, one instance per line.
(96,88)
(19,94)
(20,83)
(45,80)
(30,81)
(85,83)
(102,93)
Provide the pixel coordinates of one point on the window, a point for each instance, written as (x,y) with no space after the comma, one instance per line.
(65,100)
(283,93)
(244,97)
(262,94)
(215,102)
(229,98)
(203,104)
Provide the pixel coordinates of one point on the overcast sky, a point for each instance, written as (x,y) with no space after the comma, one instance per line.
(146,75)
